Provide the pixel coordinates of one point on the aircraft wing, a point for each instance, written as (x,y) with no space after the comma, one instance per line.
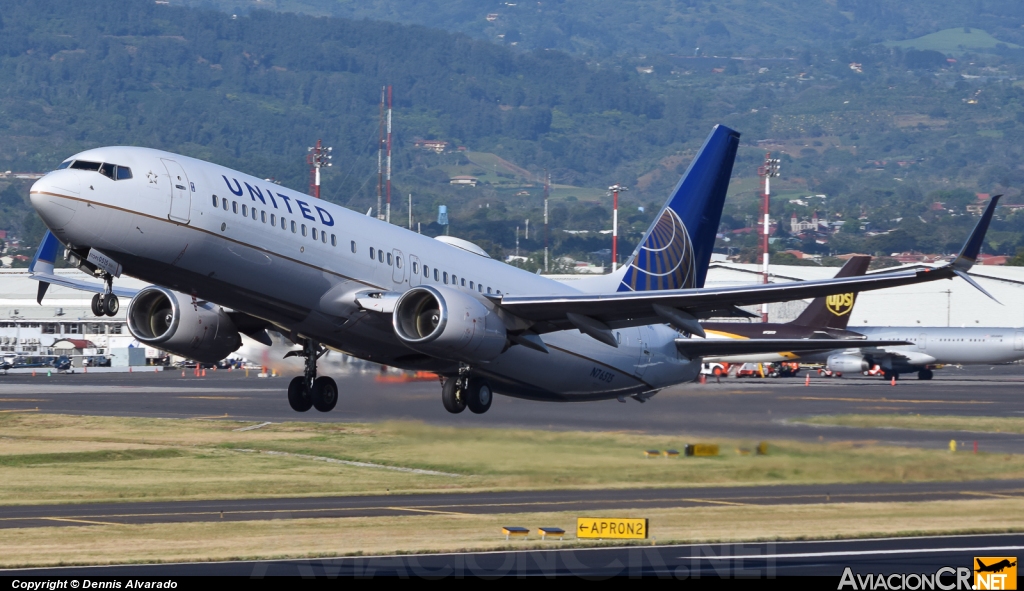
(597,314)
(694,348)
(41,269)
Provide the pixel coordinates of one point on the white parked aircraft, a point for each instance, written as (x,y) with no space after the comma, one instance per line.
(229,253)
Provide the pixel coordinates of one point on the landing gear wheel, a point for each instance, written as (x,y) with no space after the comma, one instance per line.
(479,397)
(97,305)
(110,304)
(925,374)
(325,394)
(298,395)
(453,397)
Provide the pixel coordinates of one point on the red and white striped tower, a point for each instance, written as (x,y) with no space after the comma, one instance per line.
(615,189)
(318,157)
(387,213)
(768,170)
(380,157)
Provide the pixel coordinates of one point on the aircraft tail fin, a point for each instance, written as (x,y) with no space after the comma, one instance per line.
(676,250)
(834,311)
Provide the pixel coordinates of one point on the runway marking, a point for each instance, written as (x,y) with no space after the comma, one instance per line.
(415,510)
(212,397)
(351,463)
(995,495)
(68,519)
(223,416)
(975,550)
(20,410)
(713,502)
(885,400)
(24,400)
(253,427)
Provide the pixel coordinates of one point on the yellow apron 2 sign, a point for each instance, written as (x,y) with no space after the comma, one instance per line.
(611,528)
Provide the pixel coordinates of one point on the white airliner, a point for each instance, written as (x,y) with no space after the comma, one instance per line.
(229,253)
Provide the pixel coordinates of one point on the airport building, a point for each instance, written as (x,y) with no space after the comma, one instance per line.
(65,318)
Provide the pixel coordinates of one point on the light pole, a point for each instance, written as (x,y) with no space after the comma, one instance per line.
(768,170)
(317,158)
(615,189)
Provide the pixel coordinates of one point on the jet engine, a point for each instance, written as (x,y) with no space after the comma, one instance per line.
(449,324)
(846,363)
(175,322)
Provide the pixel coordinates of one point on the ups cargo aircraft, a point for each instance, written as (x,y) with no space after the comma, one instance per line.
(229,253)
(827,317)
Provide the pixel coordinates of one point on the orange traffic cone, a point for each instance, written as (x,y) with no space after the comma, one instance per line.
(182,373)
(893,382)
(33,373)
(204,373)
(703,379)
(807,382)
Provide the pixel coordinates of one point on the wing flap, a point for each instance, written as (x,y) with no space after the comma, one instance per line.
(694,348)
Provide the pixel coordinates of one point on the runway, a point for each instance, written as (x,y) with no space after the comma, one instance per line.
(765,560)
(736,408)
(490,503)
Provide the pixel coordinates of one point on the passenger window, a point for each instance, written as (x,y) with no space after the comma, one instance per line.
(380,256)
(446,277)
(123,173)
(389,259)
(499,292)
(415,267)
(224,204)
(293,226)
(398,262)
(254,213)
(353,247)
(234,207)
(334,240)
(263,216)
(64,165)
(480,287)
(215,203)
(464,282)
(273,219)
(455,280)
(323,238)
(373,252)
(107,170)
(488,290)
(303,229)
(315,237)
(245,210)
(437,276)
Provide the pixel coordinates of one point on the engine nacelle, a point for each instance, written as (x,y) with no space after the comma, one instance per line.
(449,324)
(846,363)
(170,321)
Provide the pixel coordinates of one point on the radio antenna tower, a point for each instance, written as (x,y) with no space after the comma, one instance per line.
(317,158)
(615,189)
(380,157)
(547,184)
(768,170)
(387,214)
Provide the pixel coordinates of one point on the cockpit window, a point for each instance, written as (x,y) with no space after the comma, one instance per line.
(107,170)
(65,164)
(123,173)
(85,165)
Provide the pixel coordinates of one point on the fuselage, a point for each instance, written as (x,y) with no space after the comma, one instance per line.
(298,262)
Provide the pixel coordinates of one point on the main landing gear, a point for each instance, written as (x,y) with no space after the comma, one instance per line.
(308,391)
(106,304)
(462,391)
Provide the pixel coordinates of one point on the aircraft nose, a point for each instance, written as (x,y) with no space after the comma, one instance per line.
(52,197)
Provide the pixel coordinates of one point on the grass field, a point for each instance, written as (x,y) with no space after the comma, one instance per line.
(104,544)
(925,423)
(952,41)
(60,459)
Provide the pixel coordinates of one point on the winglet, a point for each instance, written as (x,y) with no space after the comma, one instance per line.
(43,262)
(972,248)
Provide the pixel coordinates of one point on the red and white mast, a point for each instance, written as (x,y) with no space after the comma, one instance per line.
(317,158)
(615,189)
(387,213)
(768,170)
(380,157)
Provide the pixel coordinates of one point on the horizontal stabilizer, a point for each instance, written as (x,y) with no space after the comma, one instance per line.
(695,348)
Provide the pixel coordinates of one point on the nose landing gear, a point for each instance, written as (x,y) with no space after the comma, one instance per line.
(309,391)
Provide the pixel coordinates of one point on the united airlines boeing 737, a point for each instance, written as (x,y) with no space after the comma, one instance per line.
(229,253)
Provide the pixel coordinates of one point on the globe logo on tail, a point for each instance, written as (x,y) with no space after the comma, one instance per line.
(664,260)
